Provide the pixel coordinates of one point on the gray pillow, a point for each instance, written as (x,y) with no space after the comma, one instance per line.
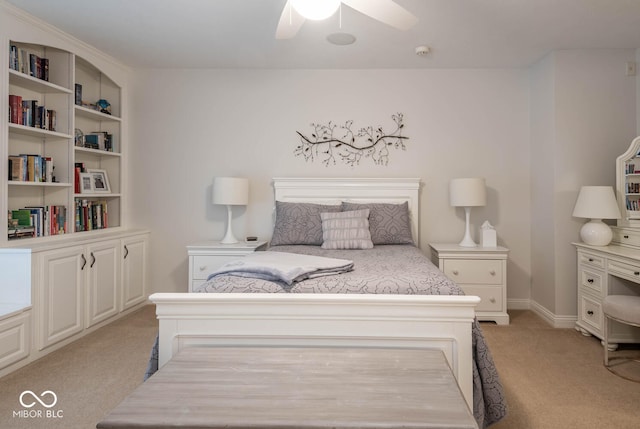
(299,223)
(388,223)
(346,230)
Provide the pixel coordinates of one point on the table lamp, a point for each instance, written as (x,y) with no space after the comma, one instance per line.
(596,203)
(467,193)
(230,191)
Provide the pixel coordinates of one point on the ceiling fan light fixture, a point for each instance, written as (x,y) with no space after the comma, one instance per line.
(316,10)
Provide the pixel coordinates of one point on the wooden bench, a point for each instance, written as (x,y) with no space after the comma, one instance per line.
(260,387)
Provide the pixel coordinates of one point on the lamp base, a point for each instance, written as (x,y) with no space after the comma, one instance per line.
(229,238)
(596,233)
(467,241)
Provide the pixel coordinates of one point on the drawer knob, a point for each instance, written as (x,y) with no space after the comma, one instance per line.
(590,313)
(626,236)
(203,267)
(589,280)
(455,272)
(636,273)
(493,300)
(590,259)
(492,272)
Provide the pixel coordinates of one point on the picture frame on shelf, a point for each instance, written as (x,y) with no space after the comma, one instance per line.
(86,183)
(99,181)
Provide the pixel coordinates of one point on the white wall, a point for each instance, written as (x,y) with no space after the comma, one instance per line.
(191,125)
(583,117)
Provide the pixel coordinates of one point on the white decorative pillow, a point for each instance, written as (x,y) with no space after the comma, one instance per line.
(346,230)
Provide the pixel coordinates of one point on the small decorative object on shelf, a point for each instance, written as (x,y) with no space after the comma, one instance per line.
(79,137)
(104,105)
(78,94)
(99,181)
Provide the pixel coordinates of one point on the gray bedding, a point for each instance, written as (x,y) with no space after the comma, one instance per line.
(388,269)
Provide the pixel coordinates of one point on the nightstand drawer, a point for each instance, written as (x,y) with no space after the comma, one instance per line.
(490,297)
(205,265)
(592,279)
(474,271)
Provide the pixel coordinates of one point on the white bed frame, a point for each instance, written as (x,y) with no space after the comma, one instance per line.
(326,320)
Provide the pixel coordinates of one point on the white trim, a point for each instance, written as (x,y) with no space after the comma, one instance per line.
(518,304)
(564,322)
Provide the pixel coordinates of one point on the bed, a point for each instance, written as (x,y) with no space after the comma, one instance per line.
(394,297)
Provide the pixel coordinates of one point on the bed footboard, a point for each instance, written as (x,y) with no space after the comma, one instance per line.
(321,320)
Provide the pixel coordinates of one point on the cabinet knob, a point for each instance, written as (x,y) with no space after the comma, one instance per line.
(493,300)
(492,272)
(203,267)
(636,273)
(589,280)
(590,312)
(626,236)
(590,259)
(455,272)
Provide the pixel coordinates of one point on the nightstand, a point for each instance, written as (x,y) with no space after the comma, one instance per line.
(207,256)
(479,271)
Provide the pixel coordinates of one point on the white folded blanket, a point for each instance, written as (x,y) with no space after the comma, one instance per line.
(283,266)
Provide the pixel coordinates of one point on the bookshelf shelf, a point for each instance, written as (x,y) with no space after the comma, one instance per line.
(34,84)
(85,112)
(50,138)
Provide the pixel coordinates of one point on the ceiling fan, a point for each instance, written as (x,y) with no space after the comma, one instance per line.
(295,13)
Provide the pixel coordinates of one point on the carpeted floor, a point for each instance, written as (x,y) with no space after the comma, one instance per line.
(553,378)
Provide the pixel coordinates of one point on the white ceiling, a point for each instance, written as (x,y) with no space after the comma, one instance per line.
(240,33)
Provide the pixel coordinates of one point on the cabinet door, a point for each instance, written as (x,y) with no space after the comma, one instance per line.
(103,271)
(61,293)
(134,270)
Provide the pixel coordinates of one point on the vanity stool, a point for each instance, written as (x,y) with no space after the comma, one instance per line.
(623,309)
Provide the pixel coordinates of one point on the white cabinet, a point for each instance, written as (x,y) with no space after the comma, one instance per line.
(479,271)
(15,337)
(134,270)
(81,286)
(103,281)
(60,290)
(207,256)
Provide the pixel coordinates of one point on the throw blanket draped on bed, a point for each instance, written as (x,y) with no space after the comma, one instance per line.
(283,266)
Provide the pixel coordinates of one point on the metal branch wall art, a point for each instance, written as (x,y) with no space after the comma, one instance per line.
(331,142)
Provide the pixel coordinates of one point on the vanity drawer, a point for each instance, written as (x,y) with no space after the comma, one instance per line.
(625,236)
(490,297)
(631,272)
(591,260)
(591,312)
(592,279)
(474,271)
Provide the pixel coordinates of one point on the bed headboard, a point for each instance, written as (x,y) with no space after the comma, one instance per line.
(358,190)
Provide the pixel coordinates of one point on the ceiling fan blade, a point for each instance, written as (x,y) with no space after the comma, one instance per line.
(386,11)
(290,22)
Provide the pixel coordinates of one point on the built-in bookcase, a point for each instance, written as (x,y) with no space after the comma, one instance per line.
(53,129)
(628,185)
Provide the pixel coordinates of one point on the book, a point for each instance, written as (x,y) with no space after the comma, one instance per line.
(78,94)
(15,109)
(23,216)
(18,167)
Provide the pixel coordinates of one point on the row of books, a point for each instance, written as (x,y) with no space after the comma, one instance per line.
(633,188)
(37,221)
(633,205)
(630,169)
(91,215)
(31,168)
(28,63)
(29,114)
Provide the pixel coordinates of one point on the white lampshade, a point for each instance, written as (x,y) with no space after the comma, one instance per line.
(316,9)
(230,191)
(596,203)
(467,192)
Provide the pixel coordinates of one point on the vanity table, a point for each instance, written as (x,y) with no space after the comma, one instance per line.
(613,269)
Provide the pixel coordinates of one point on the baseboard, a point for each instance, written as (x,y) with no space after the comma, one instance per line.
(518,304)
(566,322)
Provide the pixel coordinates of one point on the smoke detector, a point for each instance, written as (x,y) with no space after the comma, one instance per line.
(422,50)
